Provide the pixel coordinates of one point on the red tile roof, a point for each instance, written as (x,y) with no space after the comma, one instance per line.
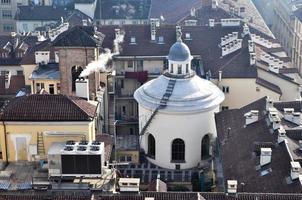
(45,107)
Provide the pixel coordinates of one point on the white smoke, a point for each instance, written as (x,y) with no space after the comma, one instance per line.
(104,58)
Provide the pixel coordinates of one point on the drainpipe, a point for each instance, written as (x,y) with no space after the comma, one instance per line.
(5,140)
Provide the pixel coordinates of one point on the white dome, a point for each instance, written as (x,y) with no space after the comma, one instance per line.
(189,95)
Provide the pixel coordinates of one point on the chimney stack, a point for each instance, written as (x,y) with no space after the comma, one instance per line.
(295,170)
(232,186)
(153,29)
(281,134)
(265,156)
(251,117)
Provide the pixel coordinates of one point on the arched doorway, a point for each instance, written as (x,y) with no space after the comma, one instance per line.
(75,73)
(205,147)
(178,150)
(151,146)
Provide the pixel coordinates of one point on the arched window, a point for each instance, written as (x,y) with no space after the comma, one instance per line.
(171,68)
(178,150)
(151,146)
(205,147)
(75,73)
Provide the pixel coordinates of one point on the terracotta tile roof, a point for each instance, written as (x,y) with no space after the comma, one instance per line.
(239,153)
(44,107)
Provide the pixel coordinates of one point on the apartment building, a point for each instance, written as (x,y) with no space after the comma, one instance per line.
(8,10)
(287,29)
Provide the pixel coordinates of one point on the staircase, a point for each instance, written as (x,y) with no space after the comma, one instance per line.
(163,103)
(40,144)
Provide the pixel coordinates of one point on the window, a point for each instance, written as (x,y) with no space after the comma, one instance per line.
(51,88)
(160,40)
(124,110)
(5,74)
(130,64)
(8,27)
(19,72)
(178,150)
(131,131)
(128,158)
(172,68)
(205,147)
(58,88)
(7,14)
(225,89)
(151,146)
(242,9)
(178,69)
(39,87)
(225,107)
(5,1)
(122,83)
(132,40)
(187,68)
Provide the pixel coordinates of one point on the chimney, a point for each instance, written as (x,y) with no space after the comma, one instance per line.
(193,12)
(251,117)
(295,170)
(265,156)
(252,59)
(288,113)
(251,46)
(220,76)
(84,21)
(153,29)
(82,88)
(211,22)
(129,184)
(232,186)
(269,103)
(246,30)
(214,4)
(281,134)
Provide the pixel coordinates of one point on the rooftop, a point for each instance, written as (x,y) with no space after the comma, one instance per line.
(240,149)
(46,13)
(46,71)
(120,9)
(44,107)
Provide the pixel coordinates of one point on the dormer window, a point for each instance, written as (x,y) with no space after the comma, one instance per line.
(160,40)
(132,40)
(188,36)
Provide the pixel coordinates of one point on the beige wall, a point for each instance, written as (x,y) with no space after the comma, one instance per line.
(243,91)
(46,85)
(27,71)
(290,91)
(73,130)
(153,66)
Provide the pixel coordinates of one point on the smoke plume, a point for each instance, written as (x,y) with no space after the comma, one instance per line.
(104,58)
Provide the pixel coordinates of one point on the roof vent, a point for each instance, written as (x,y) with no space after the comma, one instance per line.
(295,170)
(70,143)
(132,40)
(265,156)
(251,117)
(129,184)
(68,148)
(269,103)
(211,22)
(281,134)
(232,186)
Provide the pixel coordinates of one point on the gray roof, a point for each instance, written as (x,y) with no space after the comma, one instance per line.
(240,149)
(48,71)
(179,52)
(47,13)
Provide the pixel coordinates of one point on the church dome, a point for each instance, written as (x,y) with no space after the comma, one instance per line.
(189,95)
(179,51)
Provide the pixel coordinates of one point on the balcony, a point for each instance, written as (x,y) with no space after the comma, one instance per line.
(123,119)
(122,95)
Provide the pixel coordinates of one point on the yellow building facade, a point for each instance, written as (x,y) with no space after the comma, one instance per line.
(27,140)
